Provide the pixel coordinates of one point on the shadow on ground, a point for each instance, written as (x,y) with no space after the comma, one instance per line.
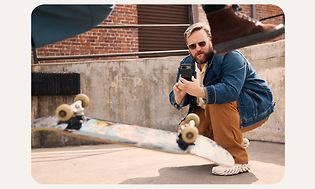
(267,152)
(199,174)
(270,153)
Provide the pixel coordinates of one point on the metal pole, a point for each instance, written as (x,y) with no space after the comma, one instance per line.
(142,25)
(253,11)
(110,55)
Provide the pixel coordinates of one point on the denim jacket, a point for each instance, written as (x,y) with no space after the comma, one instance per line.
(230,77)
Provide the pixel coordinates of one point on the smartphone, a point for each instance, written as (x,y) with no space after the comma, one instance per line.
(185,71)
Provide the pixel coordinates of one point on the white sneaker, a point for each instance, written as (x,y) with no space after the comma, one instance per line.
(226,171)
(245,143)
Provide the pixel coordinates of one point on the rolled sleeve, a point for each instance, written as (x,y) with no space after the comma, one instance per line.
(210,94)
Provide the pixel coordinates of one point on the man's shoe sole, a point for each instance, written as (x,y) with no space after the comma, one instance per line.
(249,40)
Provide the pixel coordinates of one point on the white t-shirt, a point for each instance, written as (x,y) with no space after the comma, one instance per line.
(201,74)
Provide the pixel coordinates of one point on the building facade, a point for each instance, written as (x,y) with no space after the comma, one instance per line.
(136,37)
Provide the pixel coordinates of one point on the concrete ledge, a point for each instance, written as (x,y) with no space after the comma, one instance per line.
(136,91)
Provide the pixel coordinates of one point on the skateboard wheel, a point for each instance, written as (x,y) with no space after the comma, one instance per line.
(84,99)
(193,116)
(64,112)
(189,134)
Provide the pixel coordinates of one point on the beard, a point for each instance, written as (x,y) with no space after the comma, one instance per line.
(202,56)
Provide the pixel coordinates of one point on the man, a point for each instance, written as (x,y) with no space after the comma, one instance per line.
(231,29)
(225,92)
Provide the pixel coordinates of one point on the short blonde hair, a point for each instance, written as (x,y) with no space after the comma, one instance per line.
(195,27)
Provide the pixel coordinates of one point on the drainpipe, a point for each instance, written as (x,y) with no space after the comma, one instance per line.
(253,11)
(194,14)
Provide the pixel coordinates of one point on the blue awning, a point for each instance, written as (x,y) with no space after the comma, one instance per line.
(52,23)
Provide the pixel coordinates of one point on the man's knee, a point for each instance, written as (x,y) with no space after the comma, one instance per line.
(254,126)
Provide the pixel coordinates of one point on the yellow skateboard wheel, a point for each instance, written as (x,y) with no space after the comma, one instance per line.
(84,98)
(64,112)
(193,116)
(189,134)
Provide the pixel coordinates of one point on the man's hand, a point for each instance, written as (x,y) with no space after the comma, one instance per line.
(179,94)
(191,87)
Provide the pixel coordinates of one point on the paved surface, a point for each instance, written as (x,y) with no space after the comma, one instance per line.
(117,164)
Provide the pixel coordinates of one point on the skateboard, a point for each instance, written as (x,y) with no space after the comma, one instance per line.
(71,119)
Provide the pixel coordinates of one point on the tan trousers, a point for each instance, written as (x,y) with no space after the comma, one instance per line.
(221,123)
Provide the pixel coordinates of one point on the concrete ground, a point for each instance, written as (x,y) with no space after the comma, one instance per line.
(117,164)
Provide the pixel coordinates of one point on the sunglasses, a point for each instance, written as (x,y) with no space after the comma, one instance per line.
(194,45)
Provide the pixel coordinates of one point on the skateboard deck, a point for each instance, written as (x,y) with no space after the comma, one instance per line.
(71,118)
(143,137)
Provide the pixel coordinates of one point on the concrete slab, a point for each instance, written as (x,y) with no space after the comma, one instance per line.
(117,164)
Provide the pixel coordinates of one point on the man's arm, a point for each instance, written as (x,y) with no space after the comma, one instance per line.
(233,78)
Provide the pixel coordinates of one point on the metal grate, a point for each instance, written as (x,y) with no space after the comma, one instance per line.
(54,84)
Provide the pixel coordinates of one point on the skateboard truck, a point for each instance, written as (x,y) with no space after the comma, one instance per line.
(73,115)
(187,131)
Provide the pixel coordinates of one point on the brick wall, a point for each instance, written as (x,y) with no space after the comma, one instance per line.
(120,40)
(100,41)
